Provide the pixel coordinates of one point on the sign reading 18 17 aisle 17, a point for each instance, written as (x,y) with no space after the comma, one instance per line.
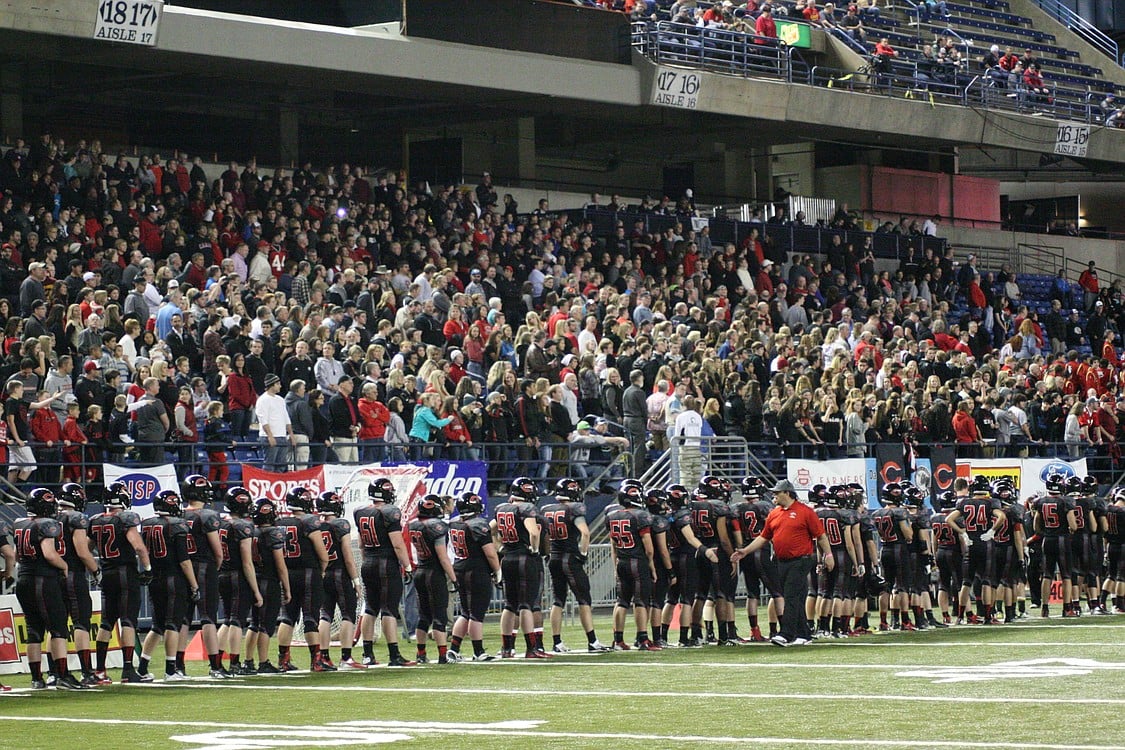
(676,88)
(129,21)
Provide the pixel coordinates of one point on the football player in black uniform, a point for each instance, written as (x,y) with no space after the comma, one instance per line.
(341,579)
(81,565)
(306,560)
(1055,519)
(1115,551)
(948,545)
(895,532)
(921,557)
(684,546)
(1008,546)
(978,516)
(206,551)
(41,573)
(759,571)
(477,567)
(238,584)
(386,564)
(632,553)
(429,536)
(570,541)
(272,571)
(656,503)
(717,581)
(834,587)
(174,587)
(116,534)
(1083,578)
(871,583)
(515,530)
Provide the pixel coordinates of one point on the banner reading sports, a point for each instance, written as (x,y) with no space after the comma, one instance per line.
(143,483)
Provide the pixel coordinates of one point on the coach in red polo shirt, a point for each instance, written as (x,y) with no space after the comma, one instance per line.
(795,531)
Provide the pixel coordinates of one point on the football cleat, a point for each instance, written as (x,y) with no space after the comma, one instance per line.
(621,646)
(401,661)
(67,682)
(349,664)
(647,645)
(319,665)
(370,661)
(286,665)
(326,660)
(103,678)
(756,635)
(780,640)
(909,626)
(535,655)
(800,642)
(219,674)
(454,657)
(38,684)
(484,656)
(561,648)
(267,668)
(507,653)
(5,688)
(144,677)
(90,680)
(598,647)
(422,659)
(175,677)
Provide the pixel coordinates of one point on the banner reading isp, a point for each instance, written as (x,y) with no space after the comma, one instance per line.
(143,483)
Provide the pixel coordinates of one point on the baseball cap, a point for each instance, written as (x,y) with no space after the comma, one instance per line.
(583,425)
(783,486)
(88,276)
(91,366)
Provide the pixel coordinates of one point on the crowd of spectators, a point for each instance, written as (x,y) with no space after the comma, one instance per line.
(332,314)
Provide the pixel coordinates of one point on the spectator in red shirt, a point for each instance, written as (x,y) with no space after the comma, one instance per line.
(1037,90)
(795,531)
(1089,283)
(765,26)
(965,431)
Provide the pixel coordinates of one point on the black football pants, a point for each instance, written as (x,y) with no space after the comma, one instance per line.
(794,578)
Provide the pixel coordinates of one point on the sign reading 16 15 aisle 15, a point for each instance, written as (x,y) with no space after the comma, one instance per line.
(676,88)
(1071,140)
(129,21)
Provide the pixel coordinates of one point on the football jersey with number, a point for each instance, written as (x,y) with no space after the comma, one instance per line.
(299,552)
(426,535)
(468,538)
(705,516)
(231,533)
(1052,512)
(1115,524)
(72,521)
(976,515)
(887,520)
(681,519)
(835,527)
(109,530)
(626,527)
(167,541)
(375,524)
(944,535)
(335,534)
(267,539)
(202,522)
(514,536)
(29,535)
(562,519)
(1006,535)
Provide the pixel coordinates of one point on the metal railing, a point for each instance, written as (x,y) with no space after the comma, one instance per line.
(720,50)
(1090,33)
(746,55)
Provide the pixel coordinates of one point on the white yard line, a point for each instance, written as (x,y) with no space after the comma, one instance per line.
(663,694)
(511,729)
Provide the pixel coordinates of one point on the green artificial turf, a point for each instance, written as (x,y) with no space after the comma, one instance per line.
(1036,683)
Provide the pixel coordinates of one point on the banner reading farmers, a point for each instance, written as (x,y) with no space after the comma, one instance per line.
(805,474)
(143,483)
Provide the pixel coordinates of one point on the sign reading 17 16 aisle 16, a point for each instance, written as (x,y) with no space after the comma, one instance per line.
(676,88)
(129,21)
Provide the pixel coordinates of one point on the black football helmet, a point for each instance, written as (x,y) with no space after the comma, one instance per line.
(947,500)
(265,512)
(381,490)
(656,500)
(856,494)
(330,502)
(630,496)
(1004,490)
(752,487)
(719,491)
(568,489)
(1090,483)
(470,504)
(817,494)
(197,489)
(431,506)
(835,497)
(677,496)
(42,503)
(74,495)
(1055,483)
(892,494)
(980,485)
(238,501)
(709,491)
(1118,494)
(523,488)
(912,495)
(1074,486)
(117,495)
(168,501)
(299,498)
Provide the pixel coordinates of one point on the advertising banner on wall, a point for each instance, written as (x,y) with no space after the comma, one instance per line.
(13,634)
(143,483)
